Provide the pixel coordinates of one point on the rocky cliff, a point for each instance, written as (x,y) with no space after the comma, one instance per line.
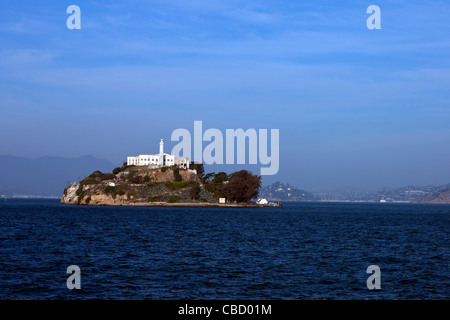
(138,185)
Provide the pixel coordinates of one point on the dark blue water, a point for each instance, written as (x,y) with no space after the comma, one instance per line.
(299,251)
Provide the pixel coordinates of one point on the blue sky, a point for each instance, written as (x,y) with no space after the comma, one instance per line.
(355,107)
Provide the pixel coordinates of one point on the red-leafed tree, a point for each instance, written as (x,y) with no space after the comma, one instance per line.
(242,186)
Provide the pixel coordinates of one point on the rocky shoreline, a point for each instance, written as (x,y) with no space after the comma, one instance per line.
(179,204)
(145,187)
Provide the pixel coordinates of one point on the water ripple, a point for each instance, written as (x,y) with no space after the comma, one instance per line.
(299,251)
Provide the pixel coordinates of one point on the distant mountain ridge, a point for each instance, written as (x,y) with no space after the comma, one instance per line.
(400,194)
(45,176)
(285,192)
(426,194)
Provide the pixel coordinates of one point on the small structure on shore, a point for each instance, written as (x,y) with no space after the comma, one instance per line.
(262,201)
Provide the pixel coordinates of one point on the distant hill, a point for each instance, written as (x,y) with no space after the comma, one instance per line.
(400,194)
(285,192)
(441,196)
(45,176)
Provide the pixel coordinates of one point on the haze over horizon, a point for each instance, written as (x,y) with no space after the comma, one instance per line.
(41,175)
(355,107)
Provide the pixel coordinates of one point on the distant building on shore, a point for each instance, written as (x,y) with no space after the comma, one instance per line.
(158,160)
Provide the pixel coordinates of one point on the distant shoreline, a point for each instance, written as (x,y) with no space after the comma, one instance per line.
(175,204)
(28,197)
(166,204)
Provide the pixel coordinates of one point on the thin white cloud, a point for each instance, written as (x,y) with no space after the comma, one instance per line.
(12,59)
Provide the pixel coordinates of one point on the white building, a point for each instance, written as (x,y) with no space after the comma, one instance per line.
(158,160)
(262,201)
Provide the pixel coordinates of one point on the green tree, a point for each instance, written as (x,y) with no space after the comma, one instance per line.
(176,174)
(207,178)
(199,167)
(173,199)
(214,183)
(220,177)
(194,191)
(109,189)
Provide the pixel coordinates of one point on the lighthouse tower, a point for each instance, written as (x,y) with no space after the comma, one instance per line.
(161,152)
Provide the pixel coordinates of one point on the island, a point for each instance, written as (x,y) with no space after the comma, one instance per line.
(137,185)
